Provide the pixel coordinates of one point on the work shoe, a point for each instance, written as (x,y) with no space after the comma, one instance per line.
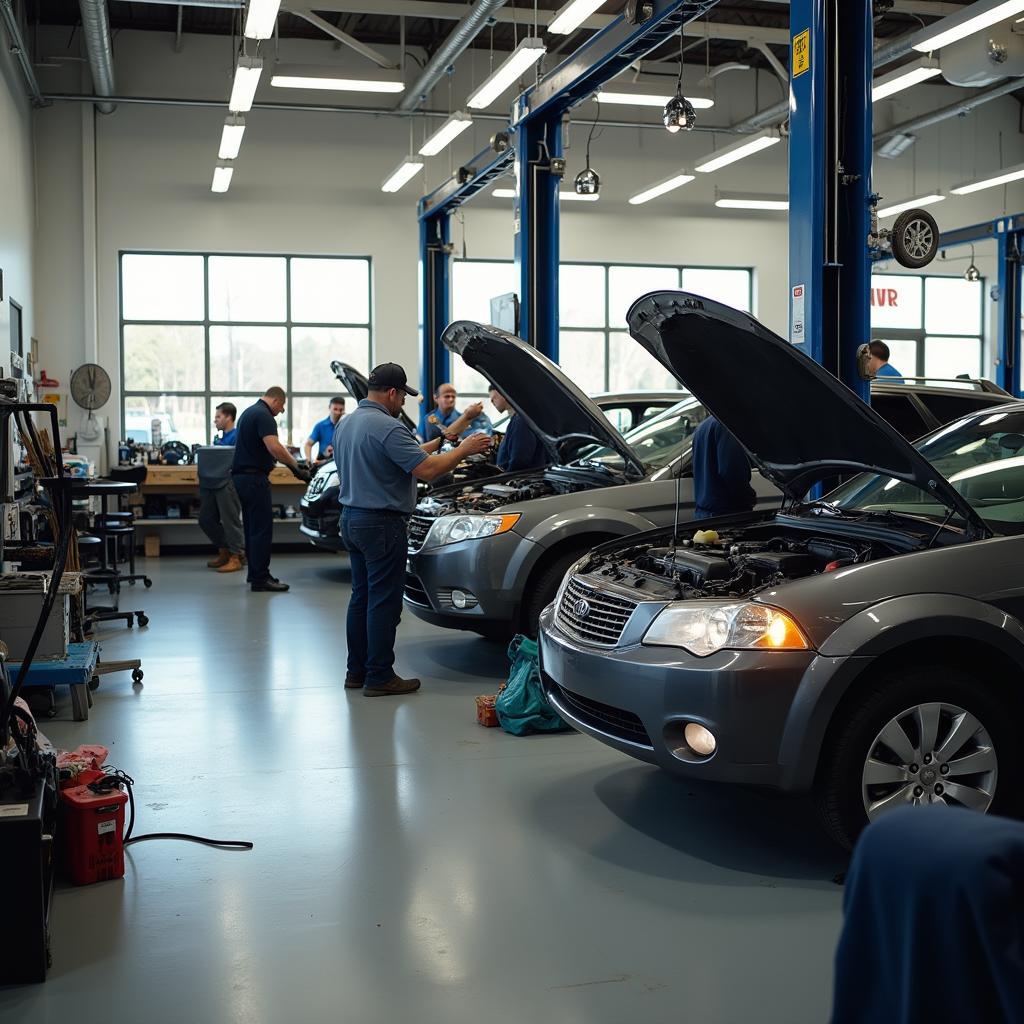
(395,686)
(353,682)
(233,564)
(270,586)
(219,559)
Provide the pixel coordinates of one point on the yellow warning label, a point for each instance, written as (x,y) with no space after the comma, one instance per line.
(801,53)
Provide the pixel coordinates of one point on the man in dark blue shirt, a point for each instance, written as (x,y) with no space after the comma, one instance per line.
(721,472)
(322,434)
(220,514)
(257,450)
(520,448)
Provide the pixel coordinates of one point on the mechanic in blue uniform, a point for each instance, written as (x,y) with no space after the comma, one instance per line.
(721,472)
(220,514)
(257,450)
(440,421)
(878,361)
(520,448)
(322,435)
(379,462)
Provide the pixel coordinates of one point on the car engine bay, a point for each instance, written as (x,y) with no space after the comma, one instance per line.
(735,563)
(487,497)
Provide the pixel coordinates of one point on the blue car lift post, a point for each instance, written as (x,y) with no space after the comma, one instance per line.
(1008,234)
(536,140)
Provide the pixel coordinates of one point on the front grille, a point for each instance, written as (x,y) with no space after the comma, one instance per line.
(419,527)
(602,621)
(414,591)
(623,725)
(310,523)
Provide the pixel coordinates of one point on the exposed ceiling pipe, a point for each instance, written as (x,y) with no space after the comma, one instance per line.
(96,31)
(958,109)
(17,47)
(458,40)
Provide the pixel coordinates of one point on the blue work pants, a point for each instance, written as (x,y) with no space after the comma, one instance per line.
(258,522)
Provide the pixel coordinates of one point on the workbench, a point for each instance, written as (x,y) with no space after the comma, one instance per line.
(76,672)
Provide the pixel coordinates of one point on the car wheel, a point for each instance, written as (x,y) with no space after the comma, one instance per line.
(915,239)
(542,590)
(928,735)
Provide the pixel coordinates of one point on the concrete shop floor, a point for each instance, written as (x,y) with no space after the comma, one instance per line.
(409,865)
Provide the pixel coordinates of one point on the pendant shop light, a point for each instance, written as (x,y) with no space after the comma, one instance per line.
(336,79)
(679,114)
(971,19)
(909,204)
(261,18)
(1002,177)
(222,177)
(738,150)
(450,130)
(903,78)
(510,193)
(247,77)
(646,94)
(524,56)
(231,137)
(747,201)
(402,174)
(660,188)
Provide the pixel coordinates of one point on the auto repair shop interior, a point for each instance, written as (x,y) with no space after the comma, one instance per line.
(712,624)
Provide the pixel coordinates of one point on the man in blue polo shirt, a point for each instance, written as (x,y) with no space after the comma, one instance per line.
(257,451)
(322,435)
(878,361)
(441,421)
(721,472)
(379,462)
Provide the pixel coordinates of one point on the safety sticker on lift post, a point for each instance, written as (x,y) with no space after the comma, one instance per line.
(796,323)
(801,52)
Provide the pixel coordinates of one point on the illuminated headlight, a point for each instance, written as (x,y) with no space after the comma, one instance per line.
(452,529)
(703,627)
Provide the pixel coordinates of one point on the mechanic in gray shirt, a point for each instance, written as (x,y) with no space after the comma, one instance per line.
(379,462)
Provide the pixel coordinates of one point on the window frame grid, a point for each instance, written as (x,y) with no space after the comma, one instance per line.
(287,325)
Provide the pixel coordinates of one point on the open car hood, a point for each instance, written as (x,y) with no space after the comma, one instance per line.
(803,425)
(358,386)
(561,415)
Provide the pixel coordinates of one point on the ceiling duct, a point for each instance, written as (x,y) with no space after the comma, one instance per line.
(96,30)
(451,49)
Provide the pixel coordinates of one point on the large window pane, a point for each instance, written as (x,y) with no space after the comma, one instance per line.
(330,291)
(315,348)
(952,305)
(248,358)
(182,418)
(466,380)
(729,286)
(627,284)
(631,368)
(475,283)
(581,295)
(159,287)
(582,357)
(902,355)
(896,301)
(949,357)
(247,288)
(163,357)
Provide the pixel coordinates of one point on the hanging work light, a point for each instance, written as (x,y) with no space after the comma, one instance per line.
(588,181)
(972,273)
(679,114)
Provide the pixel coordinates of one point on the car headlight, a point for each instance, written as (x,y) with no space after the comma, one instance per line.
(452,529)
(703,627)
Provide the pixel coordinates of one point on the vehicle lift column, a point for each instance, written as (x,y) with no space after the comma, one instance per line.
(435,300)
(830,152)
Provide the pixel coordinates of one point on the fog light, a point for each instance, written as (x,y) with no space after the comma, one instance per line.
(699,739)
(459,599)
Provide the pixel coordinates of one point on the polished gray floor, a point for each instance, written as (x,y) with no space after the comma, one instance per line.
(409,865)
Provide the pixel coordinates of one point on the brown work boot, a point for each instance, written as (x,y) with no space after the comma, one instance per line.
(353,682)
(394,686)
(233,564)
(219,559)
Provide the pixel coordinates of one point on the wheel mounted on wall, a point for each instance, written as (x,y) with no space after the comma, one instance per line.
(914,239)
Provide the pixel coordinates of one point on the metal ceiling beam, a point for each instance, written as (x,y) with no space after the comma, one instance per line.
(958,109)
(306,14)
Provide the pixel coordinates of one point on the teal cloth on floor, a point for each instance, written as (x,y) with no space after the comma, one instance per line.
(522,707)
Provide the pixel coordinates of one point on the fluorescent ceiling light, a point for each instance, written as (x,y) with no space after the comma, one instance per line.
(222,177)
(896,145)
(572,15)
(739,150)
(909,204)
(337,79)
(964,23)
(524,56)
(261,18)
(451,129)
(903,78)
(247,77)
(634,94)
(1008,174)
(572,197)
(402,174)
(659,189)
(231,136)
(743,201)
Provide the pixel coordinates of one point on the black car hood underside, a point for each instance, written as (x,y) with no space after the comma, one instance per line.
(797,422)
(561,415)
(358,386)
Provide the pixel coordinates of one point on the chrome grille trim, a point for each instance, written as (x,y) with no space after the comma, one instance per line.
(608,616)
(419,527)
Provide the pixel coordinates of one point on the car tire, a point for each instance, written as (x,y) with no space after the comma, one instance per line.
(902,696)
(915,239)
(542,589)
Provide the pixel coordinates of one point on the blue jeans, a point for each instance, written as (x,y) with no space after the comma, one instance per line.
(257,521)
(377,548)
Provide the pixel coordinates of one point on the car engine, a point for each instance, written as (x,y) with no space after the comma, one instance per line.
(733,564)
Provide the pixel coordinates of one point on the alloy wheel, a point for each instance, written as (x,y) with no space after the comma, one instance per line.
(918,239)
(934,753)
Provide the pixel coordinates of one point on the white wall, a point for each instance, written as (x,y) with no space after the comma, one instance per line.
(309,183)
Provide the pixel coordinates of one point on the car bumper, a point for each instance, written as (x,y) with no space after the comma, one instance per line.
(639,699)
(321,526)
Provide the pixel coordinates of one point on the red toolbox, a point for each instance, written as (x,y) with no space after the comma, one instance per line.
(93,833)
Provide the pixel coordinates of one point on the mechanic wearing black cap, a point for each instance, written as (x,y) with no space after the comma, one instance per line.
(379,462)
(257,449)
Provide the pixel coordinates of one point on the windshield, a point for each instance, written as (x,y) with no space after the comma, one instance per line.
(657,441)
(982,457)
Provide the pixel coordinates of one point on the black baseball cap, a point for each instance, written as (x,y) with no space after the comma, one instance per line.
(390,375)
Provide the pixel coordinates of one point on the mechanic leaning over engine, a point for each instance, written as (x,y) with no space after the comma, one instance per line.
(721,472)
(379,462)
(520,448)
